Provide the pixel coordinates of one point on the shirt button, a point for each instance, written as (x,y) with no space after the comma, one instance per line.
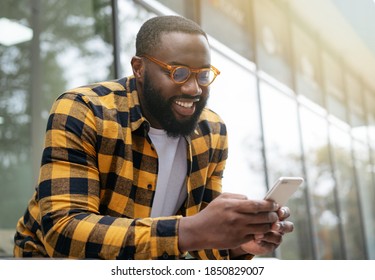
(149,186)
(165,256)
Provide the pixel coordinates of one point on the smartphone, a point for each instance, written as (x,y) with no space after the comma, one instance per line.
(283,189)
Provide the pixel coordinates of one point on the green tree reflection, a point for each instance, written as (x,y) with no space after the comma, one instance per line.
(34,73)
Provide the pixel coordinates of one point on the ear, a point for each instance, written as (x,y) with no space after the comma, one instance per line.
(138,67)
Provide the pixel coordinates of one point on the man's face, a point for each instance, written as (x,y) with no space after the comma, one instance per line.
(161,109)
(175,107)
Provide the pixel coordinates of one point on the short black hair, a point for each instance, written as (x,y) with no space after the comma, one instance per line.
(149,34)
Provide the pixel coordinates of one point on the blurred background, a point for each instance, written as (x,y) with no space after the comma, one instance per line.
(297,92)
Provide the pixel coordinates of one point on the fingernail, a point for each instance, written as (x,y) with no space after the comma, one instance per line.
(283,212)
(277,226)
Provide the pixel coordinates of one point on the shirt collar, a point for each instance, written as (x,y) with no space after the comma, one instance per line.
(135,112)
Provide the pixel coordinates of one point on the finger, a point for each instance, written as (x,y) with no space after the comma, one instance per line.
(256,206)
(283,227)
(258,230)
(284,213)
(258,236)
(268,246)
(257,224)
(260,218)
(233,196)
(272,237)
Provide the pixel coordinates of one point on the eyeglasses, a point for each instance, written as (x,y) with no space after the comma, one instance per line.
(180,74)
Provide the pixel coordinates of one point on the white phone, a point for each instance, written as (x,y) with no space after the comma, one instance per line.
(283,189)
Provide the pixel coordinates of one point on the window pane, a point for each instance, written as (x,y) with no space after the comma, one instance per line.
(321,185)
(334,88)
(283,154)
(370,109)
(179,6)
(370,193)
(15,117)
(131,17)
(272,41)
(308,74)
(347,193)
(357,115)
(230,23)
(367,193)
(237,103)
(71,45)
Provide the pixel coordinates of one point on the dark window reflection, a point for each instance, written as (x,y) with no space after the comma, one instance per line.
(71,46)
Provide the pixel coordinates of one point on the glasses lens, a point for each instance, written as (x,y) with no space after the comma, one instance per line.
(181,74)
(205,77)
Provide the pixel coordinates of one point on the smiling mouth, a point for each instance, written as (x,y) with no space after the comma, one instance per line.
(184,106)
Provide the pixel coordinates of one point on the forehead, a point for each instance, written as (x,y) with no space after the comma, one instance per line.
(184,48)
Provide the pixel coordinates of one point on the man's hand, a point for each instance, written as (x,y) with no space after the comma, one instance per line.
(227,222)
(266,243)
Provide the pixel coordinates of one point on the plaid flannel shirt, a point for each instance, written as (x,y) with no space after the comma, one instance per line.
(98,176)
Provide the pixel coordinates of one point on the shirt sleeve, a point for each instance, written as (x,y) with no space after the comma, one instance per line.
(69,196)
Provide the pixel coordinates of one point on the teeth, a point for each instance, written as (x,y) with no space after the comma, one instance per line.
(184,104)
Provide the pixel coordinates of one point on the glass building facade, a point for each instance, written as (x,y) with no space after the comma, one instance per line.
(293,104)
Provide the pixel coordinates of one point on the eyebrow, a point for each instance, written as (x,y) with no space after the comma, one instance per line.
(175,63)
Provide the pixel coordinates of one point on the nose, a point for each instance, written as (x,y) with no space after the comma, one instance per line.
(191,86)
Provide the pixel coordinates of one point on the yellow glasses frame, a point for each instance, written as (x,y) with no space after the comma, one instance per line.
(172,69)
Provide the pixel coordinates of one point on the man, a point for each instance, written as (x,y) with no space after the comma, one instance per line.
(132,168)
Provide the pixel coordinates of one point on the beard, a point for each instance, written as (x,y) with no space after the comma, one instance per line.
(161,109)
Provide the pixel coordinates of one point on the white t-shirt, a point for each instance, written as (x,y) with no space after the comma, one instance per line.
(170,188)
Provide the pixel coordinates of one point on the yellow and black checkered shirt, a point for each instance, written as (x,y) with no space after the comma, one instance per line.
(98,176)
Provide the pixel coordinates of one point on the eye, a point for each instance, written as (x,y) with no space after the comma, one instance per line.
(205,76)
(181,74)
